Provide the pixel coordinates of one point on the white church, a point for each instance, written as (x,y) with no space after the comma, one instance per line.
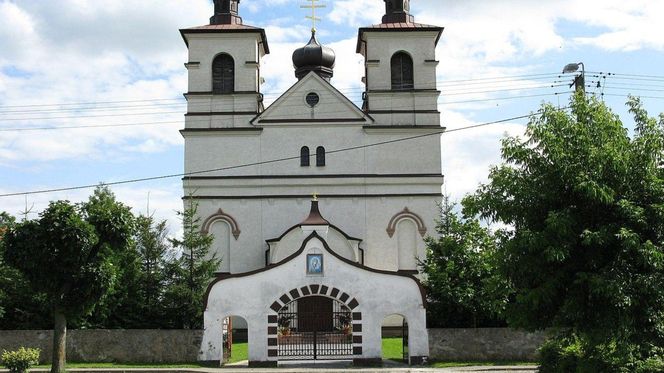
(314,278)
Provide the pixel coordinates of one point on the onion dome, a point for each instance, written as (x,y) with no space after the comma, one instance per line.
(314,57)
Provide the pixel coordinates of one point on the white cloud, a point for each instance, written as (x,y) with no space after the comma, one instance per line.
(162,200)
(468,154)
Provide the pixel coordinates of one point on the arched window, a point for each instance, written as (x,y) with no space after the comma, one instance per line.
(223,74)
(320,156)
(304,156)
(402,71)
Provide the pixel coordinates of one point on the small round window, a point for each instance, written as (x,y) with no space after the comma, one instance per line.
(312,99)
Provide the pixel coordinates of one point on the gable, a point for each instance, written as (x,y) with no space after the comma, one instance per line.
(332,105)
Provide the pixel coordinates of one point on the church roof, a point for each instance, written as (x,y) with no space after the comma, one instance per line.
(226,28)
(397,26)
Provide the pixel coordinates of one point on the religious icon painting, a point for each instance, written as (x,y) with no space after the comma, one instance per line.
(314,264)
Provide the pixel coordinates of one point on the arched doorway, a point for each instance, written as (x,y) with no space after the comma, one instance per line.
(235,344)
(315,328)
(394,335)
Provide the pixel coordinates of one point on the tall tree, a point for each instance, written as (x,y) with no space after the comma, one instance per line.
(68,254)
(189,273)
(464,288)
(20,306)
(585,205)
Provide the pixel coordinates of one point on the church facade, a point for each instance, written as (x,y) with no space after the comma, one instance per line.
(307,275)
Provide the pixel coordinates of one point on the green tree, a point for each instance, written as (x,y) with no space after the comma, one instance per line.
(68,254)
(464,289)
(6,222)
(585,206)
(189,273)
(152,246)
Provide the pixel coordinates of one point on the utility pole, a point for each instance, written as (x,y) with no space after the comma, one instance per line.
(579,82)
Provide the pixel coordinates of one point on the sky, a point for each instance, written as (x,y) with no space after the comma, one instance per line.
(114,69)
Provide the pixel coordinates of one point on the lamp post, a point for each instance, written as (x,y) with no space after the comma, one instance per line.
(579,80)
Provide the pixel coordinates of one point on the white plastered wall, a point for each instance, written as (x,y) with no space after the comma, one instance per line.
(378,294)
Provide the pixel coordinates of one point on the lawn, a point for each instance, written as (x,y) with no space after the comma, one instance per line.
(239,352)
(392,348)
(118,365)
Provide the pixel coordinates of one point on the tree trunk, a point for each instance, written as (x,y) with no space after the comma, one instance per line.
(59,341)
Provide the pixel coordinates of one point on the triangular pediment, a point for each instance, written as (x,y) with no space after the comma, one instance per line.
(331,106)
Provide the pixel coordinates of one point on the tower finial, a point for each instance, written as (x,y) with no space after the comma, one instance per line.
(397,11)
(313,17)
(226,12)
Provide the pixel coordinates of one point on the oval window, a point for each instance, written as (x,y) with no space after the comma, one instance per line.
(312,99)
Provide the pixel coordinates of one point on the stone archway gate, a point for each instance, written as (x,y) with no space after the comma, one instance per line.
(315,334)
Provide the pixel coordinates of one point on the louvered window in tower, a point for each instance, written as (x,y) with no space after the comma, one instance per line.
(402,71)
(223,74)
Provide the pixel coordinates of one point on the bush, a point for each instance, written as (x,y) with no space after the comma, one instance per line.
(560,355)
(21,360)
(571,354)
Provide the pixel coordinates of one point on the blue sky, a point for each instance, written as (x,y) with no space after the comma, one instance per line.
(109,62)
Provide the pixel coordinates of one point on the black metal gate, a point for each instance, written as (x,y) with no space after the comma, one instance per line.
(315,328)
(404,341)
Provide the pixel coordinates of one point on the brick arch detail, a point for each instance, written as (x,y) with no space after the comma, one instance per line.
(221,215)
(406,214)
(307,291)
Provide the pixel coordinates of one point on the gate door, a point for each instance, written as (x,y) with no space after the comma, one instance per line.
(315,328)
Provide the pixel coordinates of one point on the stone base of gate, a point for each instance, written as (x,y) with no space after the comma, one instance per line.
(418,360)
(367,362)
(262,364)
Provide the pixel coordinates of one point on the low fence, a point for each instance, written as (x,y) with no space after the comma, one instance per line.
(180,346)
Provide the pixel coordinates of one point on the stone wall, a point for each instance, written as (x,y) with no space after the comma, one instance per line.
(176,346)
(135,346)
(484,344)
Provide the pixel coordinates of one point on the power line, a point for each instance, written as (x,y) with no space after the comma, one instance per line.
(170,176)
(86,126)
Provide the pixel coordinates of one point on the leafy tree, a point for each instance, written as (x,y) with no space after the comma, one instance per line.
(6,222)
(20,306)
(189,274)
(585,206)
(68,254)
(139,302)
(463,286)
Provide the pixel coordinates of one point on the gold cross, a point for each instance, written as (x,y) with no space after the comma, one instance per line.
(313,17)
(315,197)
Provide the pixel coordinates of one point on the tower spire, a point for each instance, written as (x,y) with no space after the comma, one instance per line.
(226,12)
(397,11)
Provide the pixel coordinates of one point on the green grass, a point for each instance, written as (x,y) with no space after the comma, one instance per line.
(393,348)
(239,352)
(123,365)
(456,364)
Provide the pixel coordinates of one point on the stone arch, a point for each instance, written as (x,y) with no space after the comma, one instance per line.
(307,291)
(406,214)
(221,215)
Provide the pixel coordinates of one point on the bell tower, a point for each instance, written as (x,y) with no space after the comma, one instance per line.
(400,68)
(224,70)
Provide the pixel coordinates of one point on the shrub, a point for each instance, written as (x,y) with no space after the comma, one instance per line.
(560,355)
(21,360)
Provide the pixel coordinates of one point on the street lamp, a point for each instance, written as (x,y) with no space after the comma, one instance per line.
(580,80)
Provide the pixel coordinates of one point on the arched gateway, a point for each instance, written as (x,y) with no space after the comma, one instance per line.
(313,302)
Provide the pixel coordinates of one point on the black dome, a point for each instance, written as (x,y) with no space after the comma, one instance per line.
(314,57)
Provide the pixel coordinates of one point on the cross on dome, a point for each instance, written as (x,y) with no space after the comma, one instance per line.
(313,17)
